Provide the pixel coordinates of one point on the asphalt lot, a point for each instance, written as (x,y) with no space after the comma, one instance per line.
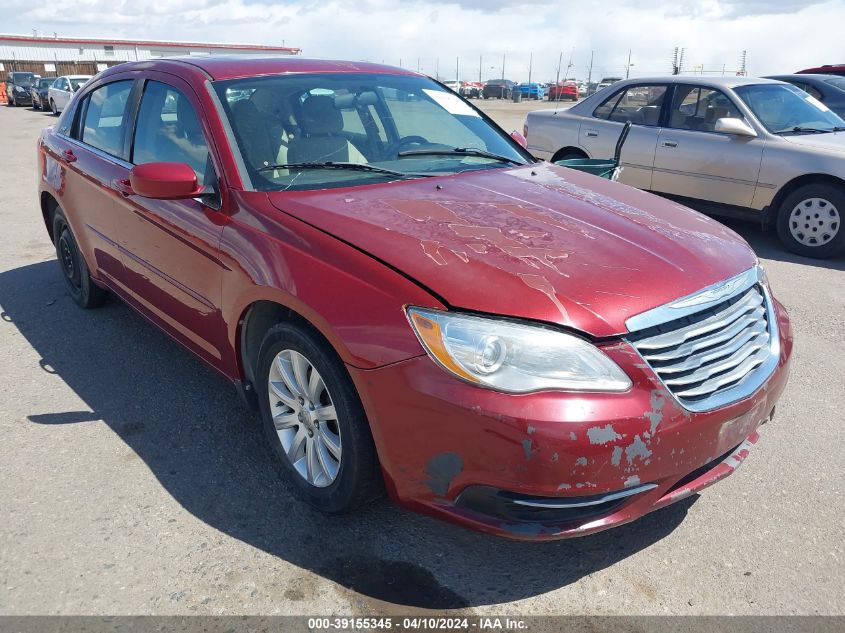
(133,482)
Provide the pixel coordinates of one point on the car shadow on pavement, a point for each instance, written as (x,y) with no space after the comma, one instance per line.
(187,424)
(767,245)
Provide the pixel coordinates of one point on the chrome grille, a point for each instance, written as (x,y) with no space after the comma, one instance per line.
(710,353)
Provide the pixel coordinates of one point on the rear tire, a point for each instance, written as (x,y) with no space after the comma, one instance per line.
(327,421)
(53,108)
(82,289)
(809,221)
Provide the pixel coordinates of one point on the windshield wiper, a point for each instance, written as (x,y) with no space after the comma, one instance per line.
(811,130)
(459,151)
(342,165)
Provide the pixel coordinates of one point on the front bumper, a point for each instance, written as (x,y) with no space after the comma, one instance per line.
(23,98)
(466,454)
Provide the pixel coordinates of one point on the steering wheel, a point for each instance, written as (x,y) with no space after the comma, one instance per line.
(392,150)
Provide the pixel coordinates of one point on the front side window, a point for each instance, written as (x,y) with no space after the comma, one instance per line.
(168,131)
(105,117)
(312,131)
(785,109)
(640,105)
(698,108)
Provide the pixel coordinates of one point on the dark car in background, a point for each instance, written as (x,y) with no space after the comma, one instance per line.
(38,92)
(827,69)
(498,89)
(17,88)
(829,89)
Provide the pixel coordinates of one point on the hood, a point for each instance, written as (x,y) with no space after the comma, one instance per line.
(831,142)
(538,242)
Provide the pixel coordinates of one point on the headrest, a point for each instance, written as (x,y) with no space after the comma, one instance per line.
(320,116)
(716,112)
(351,100)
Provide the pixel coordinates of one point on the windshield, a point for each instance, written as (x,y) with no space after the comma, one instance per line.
(23,79)
(316,131)
(784,109)
(838,82)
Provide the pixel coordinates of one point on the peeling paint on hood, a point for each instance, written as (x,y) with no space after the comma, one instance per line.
(539,242)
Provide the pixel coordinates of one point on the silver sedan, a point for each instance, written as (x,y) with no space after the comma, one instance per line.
(752,148)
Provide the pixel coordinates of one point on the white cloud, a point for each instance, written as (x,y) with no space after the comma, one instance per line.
(779,35)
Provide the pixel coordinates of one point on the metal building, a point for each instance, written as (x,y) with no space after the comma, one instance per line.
(55,56)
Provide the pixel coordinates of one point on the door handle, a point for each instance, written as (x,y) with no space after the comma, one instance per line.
(669,144)
(591,133)
(122,186)
(68,156)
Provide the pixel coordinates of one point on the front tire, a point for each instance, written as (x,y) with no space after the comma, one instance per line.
(809,221)
(82,289)
(315,422)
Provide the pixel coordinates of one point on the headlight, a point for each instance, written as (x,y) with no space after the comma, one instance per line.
(513,357)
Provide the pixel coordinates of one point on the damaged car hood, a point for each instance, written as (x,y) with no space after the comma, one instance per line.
(538,242)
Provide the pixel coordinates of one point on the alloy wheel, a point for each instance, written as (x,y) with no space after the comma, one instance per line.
(814,222)
(304,417)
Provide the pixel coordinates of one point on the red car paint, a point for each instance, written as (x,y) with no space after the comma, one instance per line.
(827,69)
(567,90)
(537,242)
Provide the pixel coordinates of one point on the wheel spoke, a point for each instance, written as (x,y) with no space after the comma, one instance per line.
(279,389)
(285,420)
(315,386)
(300,372)
(331,442)
(315,469)
(296,445)
(329,466)
(326,412)
(287,375)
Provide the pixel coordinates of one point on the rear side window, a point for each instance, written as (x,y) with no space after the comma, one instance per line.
(169,131)
(640,105)
(105,116)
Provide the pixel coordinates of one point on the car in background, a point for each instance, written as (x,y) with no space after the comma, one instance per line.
(751,148)
(18,86)
(829,89)
(62,90)
(531,90)
(39,91)
(424,309)
(827,69)
(472,89)
(454,86)
(498,89)
(564,91)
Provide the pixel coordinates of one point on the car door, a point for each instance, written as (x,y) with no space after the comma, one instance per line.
(87,154)
(170,247)
(642,105)
(62,97)
(695,161)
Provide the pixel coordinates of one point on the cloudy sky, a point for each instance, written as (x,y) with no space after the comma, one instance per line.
(779,35)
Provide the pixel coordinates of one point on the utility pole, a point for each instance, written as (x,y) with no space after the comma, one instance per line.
(479,69)
(559,62)
(590,72)
(628,65)
(503,64)
(457,69)
(530,65)
(437,69)
(568,66)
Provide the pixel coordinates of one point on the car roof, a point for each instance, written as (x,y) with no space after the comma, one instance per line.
(804,77)
(76,76)
(697,80)
(218,67)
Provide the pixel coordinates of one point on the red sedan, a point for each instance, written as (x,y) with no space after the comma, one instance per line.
(410,300)
(564,91)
